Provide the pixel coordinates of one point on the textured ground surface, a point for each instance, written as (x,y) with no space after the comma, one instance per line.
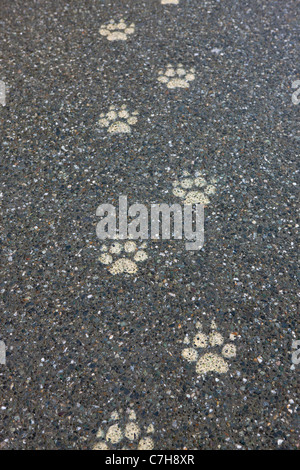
(83,343)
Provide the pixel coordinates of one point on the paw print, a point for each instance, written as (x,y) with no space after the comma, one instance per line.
(210,361)
(128,435)
(171,2)
(176,77)
(133,252)
(193,190)
(117,31)
(118,122)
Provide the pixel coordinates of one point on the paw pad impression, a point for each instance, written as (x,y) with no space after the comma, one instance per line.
(194,190)
(128,434)
(209,361)
(128,252)
(117,31)
(176,77)
(118,121)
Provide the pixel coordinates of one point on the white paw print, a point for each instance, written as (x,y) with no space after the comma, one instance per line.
(128,252)
(176,77)
(210,361)
(169,2)
(193,190)
(128,435)
(115,31)
(118,121)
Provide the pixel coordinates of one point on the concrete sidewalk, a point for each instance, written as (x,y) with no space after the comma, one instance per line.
(147,345)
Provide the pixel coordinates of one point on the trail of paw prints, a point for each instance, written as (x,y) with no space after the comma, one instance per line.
(128,254)
(176,77)
(207,362)
(128,435)
(118,121)
(169,2)
(117,31)
(194,189)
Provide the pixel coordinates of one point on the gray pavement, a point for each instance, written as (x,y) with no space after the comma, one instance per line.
(107,359)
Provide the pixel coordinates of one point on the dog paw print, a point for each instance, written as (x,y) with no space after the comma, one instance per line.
(209,361)
(118,121)
(169,2)
(194,189)
(128,252)
(176,77)
(127,435)
(115,31)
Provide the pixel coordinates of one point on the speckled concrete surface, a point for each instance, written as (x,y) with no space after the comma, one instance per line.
(83,344)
